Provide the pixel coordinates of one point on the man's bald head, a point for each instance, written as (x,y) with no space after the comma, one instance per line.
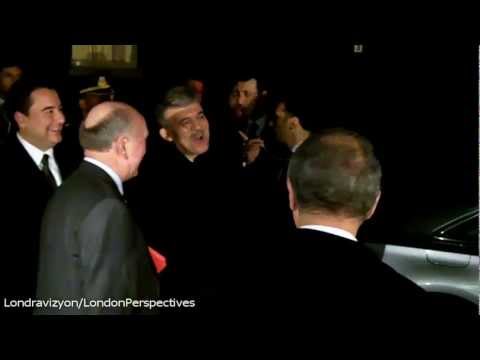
(105,122)
(99,112)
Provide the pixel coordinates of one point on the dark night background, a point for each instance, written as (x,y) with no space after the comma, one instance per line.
(415,99)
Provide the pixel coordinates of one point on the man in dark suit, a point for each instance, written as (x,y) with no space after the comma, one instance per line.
(190,192)
(248,116)
(90,247)
(334,186)
(32,169)
(176,178)
(10,72)
(290,131)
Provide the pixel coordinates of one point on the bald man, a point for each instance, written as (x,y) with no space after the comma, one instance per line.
(91,250)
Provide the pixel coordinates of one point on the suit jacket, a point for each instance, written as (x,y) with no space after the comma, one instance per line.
(91,248)
(5,125)
(186,198)
(24,193)
(316,275)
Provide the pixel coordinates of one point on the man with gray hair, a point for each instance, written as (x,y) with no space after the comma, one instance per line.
(90,248)
(183,122)
(334,186)
(186,186)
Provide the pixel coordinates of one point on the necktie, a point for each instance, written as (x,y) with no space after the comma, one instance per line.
(47,172)
(252,130)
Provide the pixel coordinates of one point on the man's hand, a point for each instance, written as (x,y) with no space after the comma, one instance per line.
(253,148)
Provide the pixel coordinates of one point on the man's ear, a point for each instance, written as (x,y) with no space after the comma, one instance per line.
(20,119)
(293,203)
(165,135)
(292,199)
(120,146)
(374,207)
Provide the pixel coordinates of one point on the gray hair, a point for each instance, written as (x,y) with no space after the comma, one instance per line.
(179,96)
(101,136)
(337,172)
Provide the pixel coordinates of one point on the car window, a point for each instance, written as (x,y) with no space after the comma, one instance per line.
(466,232)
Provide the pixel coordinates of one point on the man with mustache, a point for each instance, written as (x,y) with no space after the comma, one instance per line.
(183,123)
(181,179)
(33,169)
(246,105)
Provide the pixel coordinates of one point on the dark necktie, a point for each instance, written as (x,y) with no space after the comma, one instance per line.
(252,130)
(47,172)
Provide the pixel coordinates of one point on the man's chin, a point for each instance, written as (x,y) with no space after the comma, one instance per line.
(55,140)
(239,114)
(199,150)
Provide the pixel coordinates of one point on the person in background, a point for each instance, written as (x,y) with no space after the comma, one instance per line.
(94,95)
(10,72)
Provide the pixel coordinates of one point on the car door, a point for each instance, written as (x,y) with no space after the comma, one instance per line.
(445,263)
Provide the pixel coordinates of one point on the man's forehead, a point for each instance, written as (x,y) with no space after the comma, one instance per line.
(44,95)
(12,70)
(176,113)
(249,85)
(281,107)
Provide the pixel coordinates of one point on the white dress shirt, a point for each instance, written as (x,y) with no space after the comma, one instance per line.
(37,155)
(295,147)
(331,230)
(116,179)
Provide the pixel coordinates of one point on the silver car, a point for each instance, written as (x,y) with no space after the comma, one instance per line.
(439,252)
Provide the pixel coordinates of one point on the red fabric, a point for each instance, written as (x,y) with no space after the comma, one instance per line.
(159,260)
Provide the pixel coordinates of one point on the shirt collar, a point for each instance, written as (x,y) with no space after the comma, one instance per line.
(35,153)
(295,147)
(116,179)
(331,230)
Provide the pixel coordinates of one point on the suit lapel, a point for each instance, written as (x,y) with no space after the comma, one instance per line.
(25,164)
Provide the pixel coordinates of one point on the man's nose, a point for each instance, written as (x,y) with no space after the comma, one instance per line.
(242,100)
(197,124)
(60,118)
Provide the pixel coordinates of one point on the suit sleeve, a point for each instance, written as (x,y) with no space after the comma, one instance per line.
(113,254)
